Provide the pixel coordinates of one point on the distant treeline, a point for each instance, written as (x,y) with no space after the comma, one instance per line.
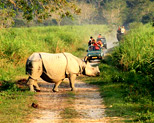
(112,12)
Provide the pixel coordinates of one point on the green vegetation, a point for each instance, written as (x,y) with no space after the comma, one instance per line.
(121,99)
(126,81)
(69,113)
(127,76)
(38,10)
(16,44)
(75,12)
(15,104)
(136,55)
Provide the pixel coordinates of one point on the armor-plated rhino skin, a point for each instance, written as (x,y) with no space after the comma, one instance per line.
(54,68)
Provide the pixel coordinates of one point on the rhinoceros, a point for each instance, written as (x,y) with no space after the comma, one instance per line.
(54,68)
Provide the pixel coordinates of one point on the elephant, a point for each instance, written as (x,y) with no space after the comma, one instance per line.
(54,68)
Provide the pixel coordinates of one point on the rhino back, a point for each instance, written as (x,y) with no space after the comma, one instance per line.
(34,57)
(75,64)
(55,66)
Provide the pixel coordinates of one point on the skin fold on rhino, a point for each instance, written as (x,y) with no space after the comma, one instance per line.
(54,68)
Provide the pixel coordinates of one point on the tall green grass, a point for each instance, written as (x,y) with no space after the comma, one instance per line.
(15,106)
(125,94)
(16,44)
(136,53)
(135,56)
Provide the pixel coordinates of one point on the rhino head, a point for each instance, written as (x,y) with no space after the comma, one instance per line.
(91,71)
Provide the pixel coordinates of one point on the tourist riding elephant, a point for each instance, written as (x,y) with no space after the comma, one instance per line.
(54,68)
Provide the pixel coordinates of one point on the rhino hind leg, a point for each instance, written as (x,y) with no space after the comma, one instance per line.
(72,81)
(33,84)
(34,70)
(55,88)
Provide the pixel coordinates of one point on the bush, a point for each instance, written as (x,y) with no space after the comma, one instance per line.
(135,57)
(6,85)
(136,52)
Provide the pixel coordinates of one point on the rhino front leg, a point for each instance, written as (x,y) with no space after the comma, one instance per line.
(32,83)
(55,88)
(72,81)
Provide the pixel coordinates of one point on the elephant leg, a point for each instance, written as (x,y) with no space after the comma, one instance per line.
(72,81)
(55,88)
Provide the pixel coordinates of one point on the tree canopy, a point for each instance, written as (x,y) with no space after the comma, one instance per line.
(113,12)
(38,9)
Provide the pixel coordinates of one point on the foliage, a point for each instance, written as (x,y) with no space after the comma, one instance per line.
(78,12)
(127,76)
(115,12)
(125,94)
(17,44)
(136,52)
(140,10)
(135,56)
(40,9)
(15,106)
(6,19)
(11,86)
(88,13)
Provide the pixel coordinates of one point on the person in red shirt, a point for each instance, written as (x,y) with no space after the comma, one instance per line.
(99,36)
(95,44)
(99,42)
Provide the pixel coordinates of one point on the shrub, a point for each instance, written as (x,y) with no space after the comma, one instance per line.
(6,85)
(136,52)
(135,57)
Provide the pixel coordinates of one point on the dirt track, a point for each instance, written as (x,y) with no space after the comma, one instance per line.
(85,105)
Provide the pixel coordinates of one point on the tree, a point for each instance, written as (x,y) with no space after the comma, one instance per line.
(140,10)
(87,13)
(6,19)
(115,12)
(39,9)
(97,3)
